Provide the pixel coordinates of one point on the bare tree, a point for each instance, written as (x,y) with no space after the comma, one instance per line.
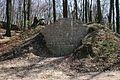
(83,10)
(65,11)
(29,12)
(110,13)
(19,14)
(54,11)
(24,10)
(99,14)
(76,12)
(13,11)
(117,16)
(113,16)
(86,13)
(8,14)
(90,15)
(49,12)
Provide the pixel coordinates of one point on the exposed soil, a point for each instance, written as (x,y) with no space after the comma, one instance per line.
(31,67)
(18,37)
(9,42)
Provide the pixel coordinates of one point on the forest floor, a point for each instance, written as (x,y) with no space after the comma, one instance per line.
(7,43)
(31,67)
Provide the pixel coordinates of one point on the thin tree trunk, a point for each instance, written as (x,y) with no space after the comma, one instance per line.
(13,12)
(110,13)
(29,12)
(65,12)
(76,12)
(113,16)
(90,15)
(20,14)
(86,7)
(54,11)
(117,16)
(49,12)
(83,10)
(24,7)
(99,14)
(8,14)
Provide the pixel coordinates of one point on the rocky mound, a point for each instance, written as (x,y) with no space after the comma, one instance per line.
(100,51)
(59,39)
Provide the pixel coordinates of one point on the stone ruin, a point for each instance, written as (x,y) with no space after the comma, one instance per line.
(64,36)
(57,39)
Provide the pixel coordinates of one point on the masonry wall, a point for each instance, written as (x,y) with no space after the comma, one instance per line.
(64,36)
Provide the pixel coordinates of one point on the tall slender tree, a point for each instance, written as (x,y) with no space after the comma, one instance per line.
(65,11)
(117,17)
(29,12)
(24,10)
(8,14)
(99,13)
(49,12)
(113,16)
(90,15)
(76,8)
(19,15)
(110,13)
(13,11)
(86,9)
(83,11)
(54,11)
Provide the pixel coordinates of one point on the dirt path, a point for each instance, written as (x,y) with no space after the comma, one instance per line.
(31,67)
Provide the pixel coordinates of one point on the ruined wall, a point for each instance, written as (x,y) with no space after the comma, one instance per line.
(64,36)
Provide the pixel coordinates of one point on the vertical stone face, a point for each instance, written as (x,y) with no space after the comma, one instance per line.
(63,36)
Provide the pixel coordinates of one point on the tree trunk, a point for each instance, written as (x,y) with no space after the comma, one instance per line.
(49,12)
(117,16)
(110,13)
(8,14)
(83,10)
(24,10)
(90,15)
(29,12)
(65,12)
(113,16)
(86,7)
(13,12)
(20,14)
(99,14)
(54,11)
(76,13)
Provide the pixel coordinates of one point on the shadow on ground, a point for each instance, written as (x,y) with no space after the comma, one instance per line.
(35,65)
